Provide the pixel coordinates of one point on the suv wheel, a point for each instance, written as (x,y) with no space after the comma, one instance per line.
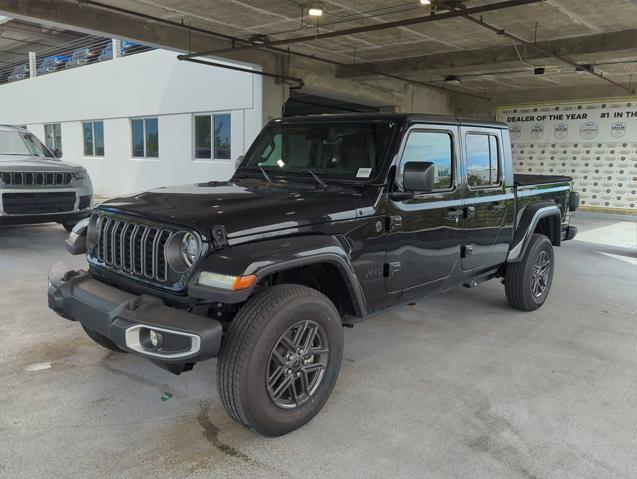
(102,340)
(528,282)
(280,359)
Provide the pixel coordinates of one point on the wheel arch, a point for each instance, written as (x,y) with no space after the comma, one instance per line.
(317,261)
(543,217)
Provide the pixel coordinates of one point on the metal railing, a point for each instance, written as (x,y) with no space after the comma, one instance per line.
(76,53)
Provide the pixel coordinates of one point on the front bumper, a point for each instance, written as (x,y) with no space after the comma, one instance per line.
(81,208)
(67,217)
(125,318)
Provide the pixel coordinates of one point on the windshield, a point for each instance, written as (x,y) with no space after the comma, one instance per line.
(21,143)
(346,151)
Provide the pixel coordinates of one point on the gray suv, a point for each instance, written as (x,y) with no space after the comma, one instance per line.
(36,186)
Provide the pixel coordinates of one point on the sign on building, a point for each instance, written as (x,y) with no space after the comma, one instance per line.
(593,142)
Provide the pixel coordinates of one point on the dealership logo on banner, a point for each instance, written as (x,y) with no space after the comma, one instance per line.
(537,131)
(618,130)
(561,131)
(594,142)
(589,130)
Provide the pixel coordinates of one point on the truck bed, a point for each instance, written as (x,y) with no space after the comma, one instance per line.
(530,180)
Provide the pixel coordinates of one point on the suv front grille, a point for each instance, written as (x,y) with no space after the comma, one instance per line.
(37,203)
(34,178)
(135,248)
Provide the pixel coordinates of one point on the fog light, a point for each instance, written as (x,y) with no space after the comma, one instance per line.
(155,338)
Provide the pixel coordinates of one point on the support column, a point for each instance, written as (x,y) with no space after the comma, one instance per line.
(32,65)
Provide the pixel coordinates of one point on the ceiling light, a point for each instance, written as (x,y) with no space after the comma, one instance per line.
(425,2)
(315,11)
(539,70)
(452,80)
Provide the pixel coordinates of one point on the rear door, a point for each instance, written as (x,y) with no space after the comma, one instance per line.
(423,242)
(487,200)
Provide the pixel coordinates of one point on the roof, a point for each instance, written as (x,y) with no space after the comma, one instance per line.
(11,128)
(401,117)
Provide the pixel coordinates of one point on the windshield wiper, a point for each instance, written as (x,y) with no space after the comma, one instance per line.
(265,174)
(317,178)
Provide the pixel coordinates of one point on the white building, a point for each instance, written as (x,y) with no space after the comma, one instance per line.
(141,121)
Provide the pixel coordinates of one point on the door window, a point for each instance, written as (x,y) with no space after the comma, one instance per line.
(482,160)
(434,147)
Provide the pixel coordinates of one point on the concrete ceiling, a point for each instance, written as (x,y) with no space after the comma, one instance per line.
(401,50)
(598,32)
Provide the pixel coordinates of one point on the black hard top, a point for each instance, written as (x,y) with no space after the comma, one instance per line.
(400,117)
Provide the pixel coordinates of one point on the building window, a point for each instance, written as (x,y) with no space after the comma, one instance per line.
(93,132)
(53,136)
(482,160)
(212,136)
(432,147)
(145,137)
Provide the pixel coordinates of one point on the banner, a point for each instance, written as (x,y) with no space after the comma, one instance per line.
(593,142)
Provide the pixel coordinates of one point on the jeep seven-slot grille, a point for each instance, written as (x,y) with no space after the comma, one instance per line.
(34,178)
(135,248)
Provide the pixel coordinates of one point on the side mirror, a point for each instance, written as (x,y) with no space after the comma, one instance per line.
(418,176)
(238,161)
(57,153)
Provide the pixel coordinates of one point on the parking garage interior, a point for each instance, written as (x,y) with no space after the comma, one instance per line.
(152,94)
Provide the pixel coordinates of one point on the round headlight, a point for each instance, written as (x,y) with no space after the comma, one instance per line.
(189,249)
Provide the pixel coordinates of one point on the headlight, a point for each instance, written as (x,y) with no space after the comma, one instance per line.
(189,249)
(182,251)
(80,175)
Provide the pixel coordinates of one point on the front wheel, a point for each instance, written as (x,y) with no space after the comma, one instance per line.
(280,359)
(528,282)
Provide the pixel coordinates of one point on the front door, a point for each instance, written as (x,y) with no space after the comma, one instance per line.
(487,201)
(424,232)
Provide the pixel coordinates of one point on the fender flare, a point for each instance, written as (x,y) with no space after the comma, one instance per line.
(263,258)
(529,220)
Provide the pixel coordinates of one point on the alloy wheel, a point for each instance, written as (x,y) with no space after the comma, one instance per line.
(541,271)
(297,364)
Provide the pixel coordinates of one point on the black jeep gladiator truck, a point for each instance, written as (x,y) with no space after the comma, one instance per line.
(326,220)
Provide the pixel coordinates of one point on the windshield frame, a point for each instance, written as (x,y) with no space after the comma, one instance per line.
(26,136)
(397,125)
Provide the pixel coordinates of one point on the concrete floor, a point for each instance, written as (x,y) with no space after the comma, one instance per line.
(457,386)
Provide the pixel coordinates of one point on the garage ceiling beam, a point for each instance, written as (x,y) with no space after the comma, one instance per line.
(586,68)
(602,43)
(433,17)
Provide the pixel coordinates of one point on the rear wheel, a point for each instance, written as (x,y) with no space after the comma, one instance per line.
(280,359)
(102,340)
(528,282)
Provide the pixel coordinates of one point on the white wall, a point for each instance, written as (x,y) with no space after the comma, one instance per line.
(154,83)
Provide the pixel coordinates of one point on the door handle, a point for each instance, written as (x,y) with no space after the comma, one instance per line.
(453,213)
(495,206)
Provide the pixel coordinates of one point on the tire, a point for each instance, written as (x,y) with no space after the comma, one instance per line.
(68,226)
(524,290)
(247,361)
(102,340)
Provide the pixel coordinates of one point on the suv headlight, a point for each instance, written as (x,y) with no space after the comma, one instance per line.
(80,175)
(182,251)
(189,249)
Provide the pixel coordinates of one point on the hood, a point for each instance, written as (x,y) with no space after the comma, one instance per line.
(35,163)
(244,207)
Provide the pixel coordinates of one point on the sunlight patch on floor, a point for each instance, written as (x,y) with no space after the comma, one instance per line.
(622,234)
